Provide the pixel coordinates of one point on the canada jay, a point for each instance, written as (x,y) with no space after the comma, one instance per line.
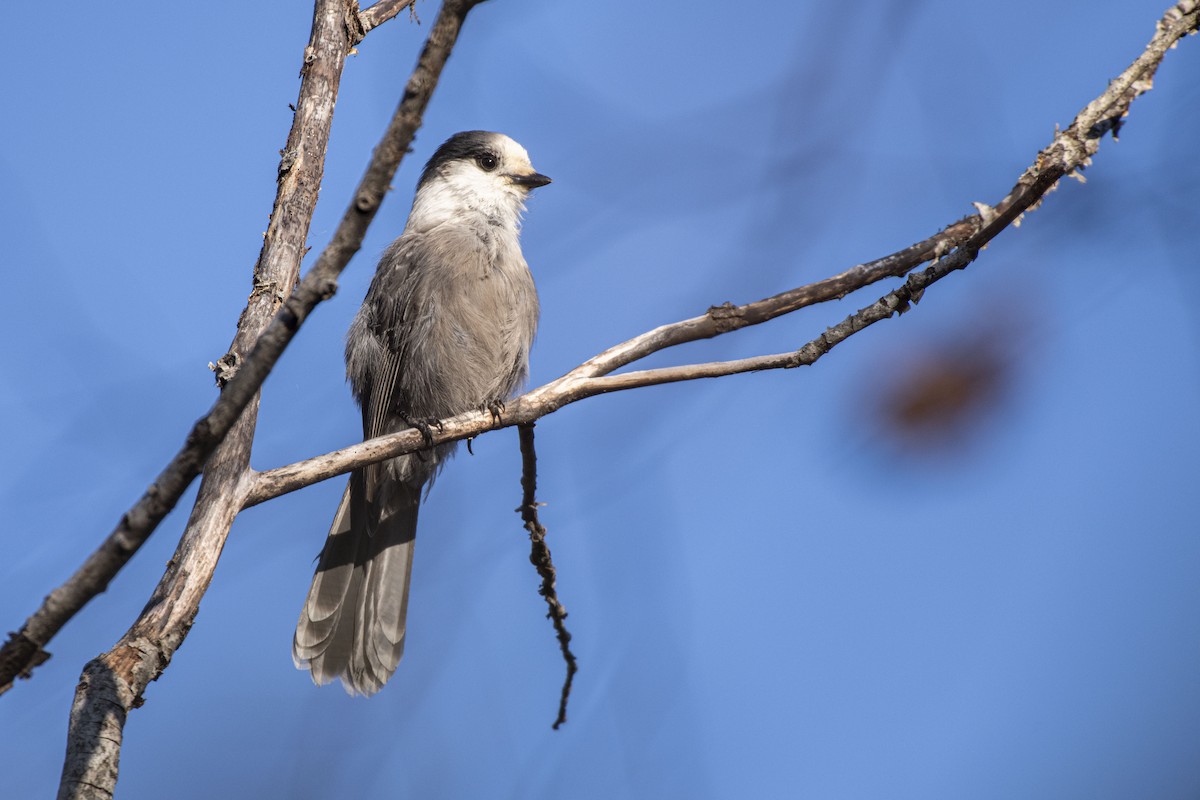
(445,328)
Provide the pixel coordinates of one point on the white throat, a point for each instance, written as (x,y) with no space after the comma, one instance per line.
(465,195)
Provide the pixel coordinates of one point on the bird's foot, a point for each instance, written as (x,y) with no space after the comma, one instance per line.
(425,426)
(495,407)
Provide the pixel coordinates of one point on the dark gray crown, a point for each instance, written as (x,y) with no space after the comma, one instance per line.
(464,146)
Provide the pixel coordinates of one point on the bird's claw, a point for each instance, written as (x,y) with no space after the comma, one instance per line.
(495,407)
(426,426)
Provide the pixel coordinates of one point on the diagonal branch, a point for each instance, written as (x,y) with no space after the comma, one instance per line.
(380,13)
(952,249)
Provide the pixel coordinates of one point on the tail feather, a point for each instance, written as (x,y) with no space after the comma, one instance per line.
(353,623)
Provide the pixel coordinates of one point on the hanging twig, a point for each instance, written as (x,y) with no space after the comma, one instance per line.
(539,556)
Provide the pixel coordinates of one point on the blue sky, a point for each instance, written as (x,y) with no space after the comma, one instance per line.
(772,594)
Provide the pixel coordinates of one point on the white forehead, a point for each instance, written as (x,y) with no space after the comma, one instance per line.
(509,150)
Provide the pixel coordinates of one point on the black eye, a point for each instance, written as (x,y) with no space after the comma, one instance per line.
(486,161)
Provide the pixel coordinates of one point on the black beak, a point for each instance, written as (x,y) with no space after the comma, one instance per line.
(531,181)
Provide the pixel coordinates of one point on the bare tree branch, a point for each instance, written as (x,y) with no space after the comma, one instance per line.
(95,732)
(300,172)
(113,683)
(380,13)
(539,556)
(951,249)
(570,387)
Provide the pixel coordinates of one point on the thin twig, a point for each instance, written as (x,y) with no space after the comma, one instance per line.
(539,556)
(380,13)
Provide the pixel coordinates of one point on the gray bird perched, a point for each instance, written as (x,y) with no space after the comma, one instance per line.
(446,327)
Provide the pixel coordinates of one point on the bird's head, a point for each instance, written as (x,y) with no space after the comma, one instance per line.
(478,171)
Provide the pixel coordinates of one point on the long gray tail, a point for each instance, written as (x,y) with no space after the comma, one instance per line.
(353,623)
